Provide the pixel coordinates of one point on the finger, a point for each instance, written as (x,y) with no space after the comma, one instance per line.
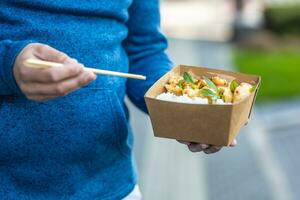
(59,89)
(72,61)
(194,147)
(48,53)
(41,98)
(183,142)
(51,75)
(205,146)
(234,143)
(212,149)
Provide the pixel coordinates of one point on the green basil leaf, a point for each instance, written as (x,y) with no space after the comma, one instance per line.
(233,85)
(194,86)
(188,78)
(180,84)
(208,93)
(210,84)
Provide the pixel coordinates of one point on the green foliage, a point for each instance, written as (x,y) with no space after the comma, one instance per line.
(280,71)
(283,19)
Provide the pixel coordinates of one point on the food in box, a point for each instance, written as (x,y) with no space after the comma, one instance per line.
(202,105)
(187,88)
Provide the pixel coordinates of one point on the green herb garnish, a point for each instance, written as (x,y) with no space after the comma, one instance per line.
(188,78)
(180,84)
(210,84)
(233,85)
(209,93)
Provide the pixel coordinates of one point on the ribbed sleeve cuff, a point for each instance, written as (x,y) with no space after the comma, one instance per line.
(12,51)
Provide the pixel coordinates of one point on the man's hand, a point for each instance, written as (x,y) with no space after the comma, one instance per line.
(208,149)
(49,83)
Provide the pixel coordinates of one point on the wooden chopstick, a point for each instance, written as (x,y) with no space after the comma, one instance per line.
(36,63)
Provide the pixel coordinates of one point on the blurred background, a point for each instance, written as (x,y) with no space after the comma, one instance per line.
(252,36)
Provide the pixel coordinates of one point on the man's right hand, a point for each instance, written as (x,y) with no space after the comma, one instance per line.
(49,83)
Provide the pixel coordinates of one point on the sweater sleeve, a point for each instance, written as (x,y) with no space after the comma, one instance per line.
(9,50)
(145,46)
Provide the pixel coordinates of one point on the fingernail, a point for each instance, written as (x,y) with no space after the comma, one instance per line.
(204,146)
(90,77)
(94,76)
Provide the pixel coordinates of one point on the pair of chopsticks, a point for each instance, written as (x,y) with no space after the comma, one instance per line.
(36,63)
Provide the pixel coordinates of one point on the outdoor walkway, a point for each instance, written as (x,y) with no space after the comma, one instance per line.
(264,165)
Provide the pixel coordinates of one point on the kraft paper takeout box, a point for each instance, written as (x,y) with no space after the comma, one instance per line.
(202,123)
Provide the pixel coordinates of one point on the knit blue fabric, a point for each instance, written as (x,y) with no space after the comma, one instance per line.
(78,146)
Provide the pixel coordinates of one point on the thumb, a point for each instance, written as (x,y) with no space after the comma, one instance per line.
(234,143)
(47,53)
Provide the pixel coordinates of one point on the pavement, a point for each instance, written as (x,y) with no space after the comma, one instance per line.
(264,165)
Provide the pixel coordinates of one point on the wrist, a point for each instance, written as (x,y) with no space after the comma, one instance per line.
(14,48)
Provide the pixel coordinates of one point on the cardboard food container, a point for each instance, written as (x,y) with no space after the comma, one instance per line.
(201,123)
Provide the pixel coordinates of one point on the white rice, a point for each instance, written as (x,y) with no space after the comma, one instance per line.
(186,99)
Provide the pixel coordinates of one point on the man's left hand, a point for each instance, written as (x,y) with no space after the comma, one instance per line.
(206,148)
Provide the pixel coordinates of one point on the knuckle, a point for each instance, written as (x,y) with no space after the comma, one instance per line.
(53,76)
(81,66)
(45,47)
(77,83)
(73,60)
(60,90)
(81,81)
(42,48)
(73,70)
(23,72)
(62,57)
(76,69)
(24,88)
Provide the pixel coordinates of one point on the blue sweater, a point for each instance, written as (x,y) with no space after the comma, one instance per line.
(77,146)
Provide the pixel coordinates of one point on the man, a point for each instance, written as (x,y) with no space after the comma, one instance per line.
(58,142)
